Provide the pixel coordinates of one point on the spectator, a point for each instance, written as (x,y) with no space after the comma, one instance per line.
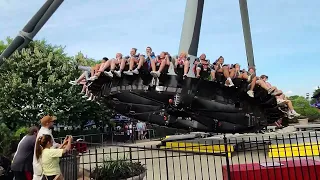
(130,130)
(22,160)
(140,130)
(47,123)
(50,157)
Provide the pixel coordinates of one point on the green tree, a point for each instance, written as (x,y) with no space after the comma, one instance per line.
(314,93)
(302,106)
(34,82)
(84,61)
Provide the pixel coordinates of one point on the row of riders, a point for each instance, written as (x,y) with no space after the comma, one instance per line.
(156,65)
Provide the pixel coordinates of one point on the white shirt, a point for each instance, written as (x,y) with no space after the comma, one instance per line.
(37,168)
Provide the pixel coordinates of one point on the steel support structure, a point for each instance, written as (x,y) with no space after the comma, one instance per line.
(246,32)
(191,30)
(29,31)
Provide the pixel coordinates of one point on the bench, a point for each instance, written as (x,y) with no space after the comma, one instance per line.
(307,127)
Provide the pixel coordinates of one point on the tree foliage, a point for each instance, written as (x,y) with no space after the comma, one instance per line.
(302,106)
(34,82)
(80,59)
(317,91)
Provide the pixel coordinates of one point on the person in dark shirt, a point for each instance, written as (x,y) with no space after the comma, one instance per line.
(22,160)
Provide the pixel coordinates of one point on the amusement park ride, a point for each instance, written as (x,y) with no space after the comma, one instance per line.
(189,103)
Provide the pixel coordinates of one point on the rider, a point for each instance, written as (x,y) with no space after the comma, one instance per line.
(133,60)
(228,72)
(89,71)
(267,86)
(282,99)
(161,61)
(145,59)
(114,63)
(243,74)
(182,61)
(203,65)
(101,69)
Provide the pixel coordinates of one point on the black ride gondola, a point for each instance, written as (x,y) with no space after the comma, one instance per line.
(189,103)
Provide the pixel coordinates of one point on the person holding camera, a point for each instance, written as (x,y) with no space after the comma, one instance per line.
(50,157)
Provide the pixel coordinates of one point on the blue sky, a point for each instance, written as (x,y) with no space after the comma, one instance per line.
(286,34)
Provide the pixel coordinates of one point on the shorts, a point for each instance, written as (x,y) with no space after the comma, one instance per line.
(204,67)
(48,177)
(84,68)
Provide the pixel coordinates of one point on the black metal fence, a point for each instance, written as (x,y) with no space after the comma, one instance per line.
(222,157)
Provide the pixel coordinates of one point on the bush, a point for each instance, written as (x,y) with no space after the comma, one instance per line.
(312,113)
(117,169)
(21,131)
(5,140)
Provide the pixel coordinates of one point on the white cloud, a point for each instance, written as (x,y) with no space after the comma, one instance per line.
(289,92)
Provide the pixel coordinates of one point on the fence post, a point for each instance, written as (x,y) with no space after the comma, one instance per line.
(102,139)
(75,164)
(96,154)
(130,153)
(227,156)
(166,157)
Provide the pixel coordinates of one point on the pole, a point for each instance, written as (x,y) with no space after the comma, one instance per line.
(34,25)
(246,31)
(191,30)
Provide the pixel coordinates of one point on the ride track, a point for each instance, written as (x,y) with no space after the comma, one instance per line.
(190,103)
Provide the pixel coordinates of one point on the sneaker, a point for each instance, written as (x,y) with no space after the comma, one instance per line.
(249,77)
(230,83)
(270,90)
(153,73)
(73,83)
(117,73)
(153,82)
(93,78)
(276,93)
(157,73)
(84,96)
(108,73)
(280,101)
(294,113)
(250,93)
(136,71)
(130,73)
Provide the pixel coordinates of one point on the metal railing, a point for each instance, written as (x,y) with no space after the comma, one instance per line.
(227,157)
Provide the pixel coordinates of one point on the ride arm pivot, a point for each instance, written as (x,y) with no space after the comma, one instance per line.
(31,29)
